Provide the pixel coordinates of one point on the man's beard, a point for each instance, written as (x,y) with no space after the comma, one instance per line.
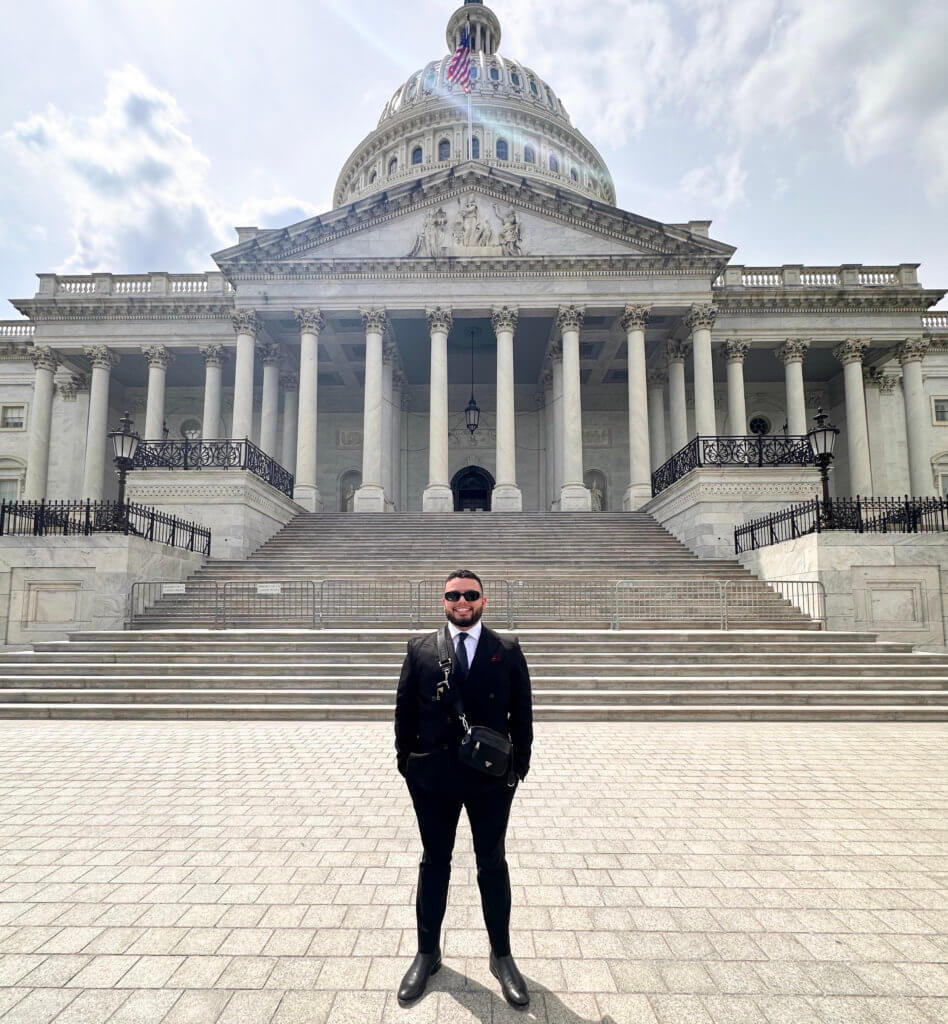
(464,623)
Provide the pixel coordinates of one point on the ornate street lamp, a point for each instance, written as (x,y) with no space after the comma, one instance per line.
(472,411)
(124,445)
(823,441)
(165,430)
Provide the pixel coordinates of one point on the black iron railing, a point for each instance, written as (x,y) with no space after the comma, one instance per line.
(214,453)
(70,518)
(749,450)
(860,515)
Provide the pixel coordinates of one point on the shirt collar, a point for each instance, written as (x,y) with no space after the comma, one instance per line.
(474,632)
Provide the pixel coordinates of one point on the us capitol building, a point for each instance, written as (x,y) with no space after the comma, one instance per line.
(490,278)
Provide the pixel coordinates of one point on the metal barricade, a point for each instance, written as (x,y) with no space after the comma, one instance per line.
(284,603)
(559,599)
(195,604)
(361,600)
(778,601)
(669,601)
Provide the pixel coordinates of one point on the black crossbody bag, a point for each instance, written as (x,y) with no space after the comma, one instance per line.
(483,749)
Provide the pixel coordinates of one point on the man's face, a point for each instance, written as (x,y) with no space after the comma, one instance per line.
(464,612)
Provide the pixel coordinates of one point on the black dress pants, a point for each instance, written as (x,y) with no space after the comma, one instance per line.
(438,812)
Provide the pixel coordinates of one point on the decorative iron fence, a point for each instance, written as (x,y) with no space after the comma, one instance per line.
(749,450)
(860,515)
(311,604)
(214,453)
(67,518)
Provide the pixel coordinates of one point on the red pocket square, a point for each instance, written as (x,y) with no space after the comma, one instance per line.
(496,657)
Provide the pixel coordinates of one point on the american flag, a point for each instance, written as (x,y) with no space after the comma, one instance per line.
(459,70)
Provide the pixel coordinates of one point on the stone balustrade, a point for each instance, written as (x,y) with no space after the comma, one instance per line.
(935,321)
(154,285)
(16,329)
(849,275)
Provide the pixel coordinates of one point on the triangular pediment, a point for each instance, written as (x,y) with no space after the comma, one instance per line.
(471,211)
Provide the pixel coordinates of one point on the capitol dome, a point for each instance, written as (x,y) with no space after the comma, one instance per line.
(520,124)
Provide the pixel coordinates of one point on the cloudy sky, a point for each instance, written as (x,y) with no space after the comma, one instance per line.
(133,136)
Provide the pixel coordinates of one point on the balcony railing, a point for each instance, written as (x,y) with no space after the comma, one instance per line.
(860,515)
(746,450)
(81,518)
(214,453)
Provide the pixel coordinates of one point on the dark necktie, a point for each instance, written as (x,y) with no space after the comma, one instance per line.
(463,663)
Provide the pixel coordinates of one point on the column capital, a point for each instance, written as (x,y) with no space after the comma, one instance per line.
(556,350)
(676,351)
(793,350)
(700,315)
(245,322)
(634,317)
(67,389)
(851,350)
(872,376)
(157,355)
(656,378)
(374,321)
(214,355)
(270,354)
(289,382)
(504,318)
(735,349)
(913,350)
(101,356)
(44,358)
(888,384)
(439,319)
(570,318)
(311,321)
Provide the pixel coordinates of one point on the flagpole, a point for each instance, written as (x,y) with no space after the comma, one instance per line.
(470,126)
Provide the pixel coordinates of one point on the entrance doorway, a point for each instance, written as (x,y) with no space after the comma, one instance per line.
(472,487)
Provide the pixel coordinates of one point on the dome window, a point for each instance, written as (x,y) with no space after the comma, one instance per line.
(410,95)
(533,88)
(475,148)
(515,79)
(494,74)
(416,155)
(573,174)
(393,165)
(474,72)
(502,149)
(444,150)
(554,165)
(429,81)
(372,178)
(529,155)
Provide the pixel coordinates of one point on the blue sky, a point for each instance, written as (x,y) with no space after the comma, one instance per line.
(134,137)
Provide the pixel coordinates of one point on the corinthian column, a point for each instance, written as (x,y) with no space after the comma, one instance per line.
(917,417)
(290,383)
(677,404)
(574,494)
(370,497)
(245,327)
(640,484)
(102,362)
(44,361)
(734,352)
(438,496)
(656,418)
(305,491)
(214,356)
(699,321)
(270,402)
(791,354)
(506,496)
(158,357)
(559,428)
(388,389)
(850,353)
(546,495)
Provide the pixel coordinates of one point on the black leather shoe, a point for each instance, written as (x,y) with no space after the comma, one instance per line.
(416,977)
(511,980)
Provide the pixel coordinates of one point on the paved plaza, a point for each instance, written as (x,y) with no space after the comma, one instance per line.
(253,872)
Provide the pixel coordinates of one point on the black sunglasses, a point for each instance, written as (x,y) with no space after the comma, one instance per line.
(468,595)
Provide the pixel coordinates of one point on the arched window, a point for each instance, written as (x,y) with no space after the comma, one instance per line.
(393,165)
(475,148)
(473,72)
(429,81)
(416,155)
(574,174)
(533,88)
(515,79)
(502,149)
(372,178)
(444,150)
(495,74)
(554,165)
(529,155)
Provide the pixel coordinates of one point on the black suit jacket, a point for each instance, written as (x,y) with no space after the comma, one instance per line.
(496,693)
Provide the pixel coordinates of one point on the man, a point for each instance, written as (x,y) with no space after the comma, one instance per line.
(491,674)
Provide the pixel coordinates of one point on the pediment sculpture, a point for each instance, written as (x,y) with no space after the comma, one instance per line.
(468,234)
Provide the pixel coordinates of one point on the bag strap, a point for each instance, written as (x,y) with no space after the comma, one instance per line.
(446,664)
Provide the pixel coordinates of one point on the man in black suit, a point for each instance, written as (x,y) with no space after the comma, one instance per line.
(494,682)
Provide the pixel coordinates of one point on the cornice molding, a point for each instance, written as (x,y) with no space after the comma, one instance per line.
(855,300)
(108,308)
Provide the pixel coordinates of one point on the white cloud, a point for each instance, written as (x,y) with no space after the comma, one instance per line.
(135,182)
(718,185)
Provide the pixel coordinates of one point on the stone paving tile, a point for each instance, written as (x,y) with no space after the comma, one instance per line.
(178,872)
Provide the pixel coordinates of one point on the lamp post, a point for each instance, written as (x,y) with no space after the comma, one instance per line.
(823,441)
(124,445)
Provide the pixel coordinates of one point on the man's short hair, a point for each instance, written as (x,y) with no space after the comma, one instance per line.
(465,574)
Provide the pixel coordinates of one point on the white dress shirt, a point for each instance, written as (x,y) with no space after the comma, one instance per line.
(470,645)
